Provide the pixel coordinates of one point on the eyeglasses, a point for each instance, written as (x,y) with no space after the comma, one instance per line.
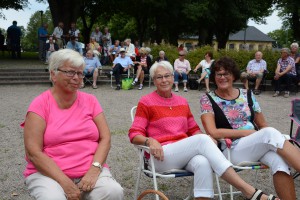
(166,76)
(72,73)
(226,75)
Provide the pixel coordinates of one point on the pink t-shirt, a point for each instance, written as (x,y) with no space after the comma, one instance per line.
(71,137)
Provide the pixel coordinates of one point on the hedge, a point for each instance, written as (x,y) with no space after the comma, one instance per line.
(241,57)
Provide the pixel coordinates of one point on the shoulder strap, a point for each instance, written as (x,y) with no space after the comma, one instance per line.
(250,104)
(220,118)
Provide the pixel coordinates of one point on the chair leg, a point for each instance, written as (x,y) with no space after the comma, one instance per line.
(231,192)
(137,184)
(111,74)
(219,188)
(154,176)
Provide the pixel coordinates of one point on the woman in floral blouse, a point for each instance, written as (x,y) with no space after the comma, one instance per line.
(235,114)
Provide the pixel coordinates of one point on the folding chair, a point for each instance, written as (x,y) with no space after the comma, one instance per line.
(295,117)
(147,167)
(239,167)
(88,78)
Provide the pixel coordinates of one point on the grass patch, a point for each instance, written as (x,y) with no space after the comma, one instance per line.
(2,126)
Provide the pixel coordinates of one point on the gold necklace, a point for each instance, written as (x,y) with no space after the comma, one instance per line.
(165,99)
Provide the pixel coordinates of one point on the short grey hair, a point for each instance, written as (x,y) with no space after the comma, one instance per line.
(148,49)
(165,64)
(287,50)
(295,44)
(161,52)
(61,57)
(127,40)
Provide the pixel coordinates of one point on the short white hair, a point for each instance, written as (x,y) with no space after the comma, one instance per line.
(148,49)
(295,44)
(61,57)
(165,64)
(161,52)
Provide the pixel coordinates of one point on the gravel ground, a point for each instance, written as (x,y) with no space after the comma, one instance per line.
(122,159)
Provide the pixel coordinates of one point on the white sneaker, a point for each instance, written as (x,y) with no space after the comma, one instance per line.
(185,89)
(276,94)
(176,89)
(141,87)
(286,94)
(133,83)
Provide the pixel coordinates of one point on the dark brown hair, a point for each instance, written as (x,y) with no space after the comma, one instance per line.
(210,54)
(227,64)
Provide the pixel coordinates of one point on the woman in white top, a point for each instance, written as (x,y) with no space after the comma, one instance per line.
(182,68)
(205,64)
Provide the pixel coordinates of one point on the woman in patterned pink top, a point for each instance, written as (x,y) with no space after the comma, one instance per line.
(67,139)
(228,113)
(165,124)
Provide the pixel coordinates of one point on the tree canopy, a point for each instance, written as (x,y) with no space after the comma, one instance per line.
(16,5)
(153,20)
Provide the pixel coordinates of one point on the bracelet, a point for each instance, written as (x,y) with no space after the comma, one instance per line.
(145,143)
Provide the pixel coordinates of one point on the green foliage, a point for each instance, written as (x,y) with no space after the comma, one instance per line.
(283,37)
(30,41)
(15,4)
(122,26)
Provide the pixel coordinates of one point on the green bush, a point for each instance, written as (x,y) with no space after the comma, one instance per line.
(241,57)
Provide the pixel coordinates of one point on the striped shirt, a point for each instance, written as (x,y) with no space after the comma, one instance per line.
(285,63)
(165,119)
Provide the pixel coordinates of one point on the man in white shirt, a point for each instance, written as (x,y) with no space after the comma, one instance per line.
(58,34)
(255,70)
(121,65)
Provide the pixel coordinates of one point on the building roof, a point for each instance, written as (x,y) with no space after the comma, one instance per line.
(251,34)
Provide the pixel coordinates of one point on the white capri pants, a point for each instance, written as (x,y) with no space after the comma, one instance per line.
(44,188)
(260,146)
(198,154)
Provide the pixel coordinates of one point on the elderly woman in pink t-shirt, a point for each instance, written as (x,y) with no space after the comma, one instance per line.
(67,139)
(164,122)
(182,68)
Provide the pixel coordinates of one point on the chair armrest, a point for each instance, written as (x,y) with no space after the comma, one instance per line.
(142,147)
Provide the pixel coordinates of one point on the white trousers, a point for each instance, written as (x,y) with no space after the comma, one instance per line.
(44,188)
(261,146)
(198,154)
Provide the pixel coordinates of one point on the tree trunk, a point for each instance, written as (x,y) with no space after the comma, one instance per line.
(296,22)
(66,11)
(222,38)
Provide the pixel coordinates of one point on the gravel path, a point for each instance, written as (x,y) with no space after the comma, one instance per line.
(14,101)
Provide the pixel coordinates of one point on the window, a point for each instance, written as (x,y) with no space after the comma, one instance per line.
(251,47)
(231,46)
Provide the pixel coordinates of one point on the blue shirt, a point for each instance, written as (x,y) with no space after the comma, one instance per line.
(125,62)
(75,46)
(91,63)
(42,31)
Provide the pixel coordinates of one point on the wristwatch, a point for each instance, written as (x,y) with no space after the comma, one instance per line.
(97,164)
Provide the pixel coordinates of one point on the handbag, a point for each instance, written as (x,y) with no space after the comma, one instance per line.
(127,83)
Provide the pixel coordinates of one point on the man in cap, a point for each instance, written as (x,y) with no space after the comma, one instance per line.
(121,64)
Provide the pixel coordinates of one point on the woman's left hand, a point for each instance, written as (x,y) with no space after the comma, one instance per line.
(156,149)
(89,180)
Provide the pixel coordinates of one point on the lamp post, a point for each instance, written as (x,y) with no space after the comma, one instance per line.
(41,17)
